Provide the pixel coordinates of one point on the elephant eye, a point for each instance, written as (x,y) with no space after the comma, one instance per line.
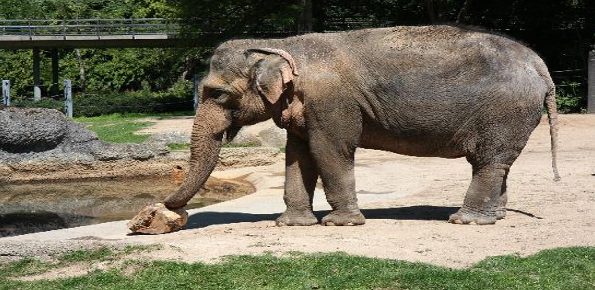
(217,93)
(220,96)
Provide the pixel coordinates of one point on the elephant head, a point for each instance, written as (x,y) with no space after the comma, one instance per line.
(243,87)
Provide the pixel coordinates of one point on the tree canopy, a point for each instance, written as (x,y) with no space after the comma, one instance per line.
(560,30)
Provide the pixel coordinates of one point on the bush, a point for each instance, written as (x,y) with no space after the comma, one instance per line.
(179,98)
(43,103)
(569,98)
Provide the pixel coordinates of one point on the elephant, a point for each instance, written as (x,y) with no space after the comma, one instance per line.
(428,91)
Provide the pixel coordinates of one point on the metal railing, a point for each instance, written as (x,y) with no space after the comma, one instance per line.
(88,27)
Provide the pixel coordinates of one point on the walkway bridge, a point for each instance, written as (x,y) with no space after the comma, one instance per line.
(85,33)
(89,33)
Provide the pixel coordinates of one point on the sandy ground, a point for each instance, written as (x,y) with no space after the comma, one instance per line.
(181,124)
(406,201)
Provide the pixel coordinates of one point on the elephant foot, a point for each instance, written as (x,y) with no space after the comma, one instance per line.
(296,218)
(500,213)
(336,218)
(466,216)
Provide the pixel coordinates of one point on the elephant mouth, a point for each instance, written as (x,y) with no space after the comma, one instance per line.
(231,132)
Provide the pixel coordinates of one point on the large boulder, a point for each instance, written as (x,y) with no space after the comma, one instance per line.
(31,129)
(42,135)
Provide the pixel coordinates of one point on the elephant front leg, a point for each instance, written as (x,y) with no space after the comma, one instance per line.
(336,167)
(486,196)
(301,176)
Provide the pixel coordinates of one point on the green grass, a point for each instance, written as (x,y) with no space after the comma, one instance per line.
(178,146)
(186,146)
(240,145)
(120,128)
(564,268)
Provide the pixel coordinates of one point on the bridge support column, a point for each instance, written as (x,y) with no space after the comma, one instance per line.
(55,73)
(36,75)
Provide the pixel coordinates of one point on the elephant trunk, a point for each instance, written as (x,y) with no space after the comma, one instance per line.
(210,123)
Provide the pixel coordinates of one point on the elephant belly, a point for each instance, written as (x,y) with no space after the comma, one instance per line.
(421,145)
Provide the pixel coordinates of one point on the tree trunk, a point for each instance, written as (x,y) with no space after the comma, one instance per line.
(304,21)
(430,10)
(463,13)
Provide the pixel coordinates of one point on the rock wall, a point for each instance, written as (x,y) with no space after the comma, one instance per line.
(36,134)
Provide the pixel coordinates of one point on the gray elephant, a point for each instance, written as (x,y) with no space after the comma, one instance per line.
(436,91)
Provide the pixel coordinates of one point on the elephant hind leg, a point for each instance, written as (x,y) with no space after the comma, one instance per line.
(501,211)
(486,197)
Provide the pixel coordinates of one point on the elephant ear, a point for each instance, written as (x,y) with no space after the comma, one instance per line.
(274,75)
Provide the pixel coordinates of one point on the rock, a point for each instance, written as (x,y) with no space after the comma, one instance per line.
(31,129)
(273,136)
(243,157)
(46,135)
(158,219)
(265,134)
(169,138)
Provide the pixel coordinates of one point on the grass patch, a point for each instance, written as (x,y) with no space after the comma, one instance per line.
(116,128)
(240,145)
(88,255)
(564,268)
(178,146)
(186,146)
(120,128)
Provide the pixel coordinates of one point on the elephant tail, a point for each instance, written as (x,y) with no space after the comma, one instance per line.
(552,114)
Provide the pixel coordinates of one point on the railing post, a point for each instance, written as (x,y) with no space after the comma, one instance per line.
(36,75)
(195,83)
(98,33)
(132,28)
(68,95)
(30,30)
(6,93)
(591,83)
(64,28)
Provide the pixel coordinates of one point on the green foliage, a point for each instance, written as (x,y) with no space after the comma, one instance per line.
(44,103)
(568,98)
(176,99)
(127,71)
(178,146)
(564,268)
(240,145)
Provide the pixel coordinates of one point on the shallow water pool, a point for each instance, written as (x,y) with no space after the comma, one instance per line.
(34,207)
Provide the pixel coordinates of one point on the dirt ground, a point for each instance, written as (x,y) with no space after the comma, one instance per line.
(406,201)
(181,124)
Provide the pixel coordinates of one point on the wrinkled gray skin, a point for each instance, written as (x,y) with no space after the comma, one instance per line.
(435,91)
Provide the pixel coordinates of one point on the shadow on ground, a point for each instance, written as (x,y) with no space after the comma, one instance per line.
(424,212)
(419,212)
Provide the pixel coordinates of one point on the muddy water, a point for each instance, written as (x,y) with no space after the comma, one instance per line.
(34,207)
